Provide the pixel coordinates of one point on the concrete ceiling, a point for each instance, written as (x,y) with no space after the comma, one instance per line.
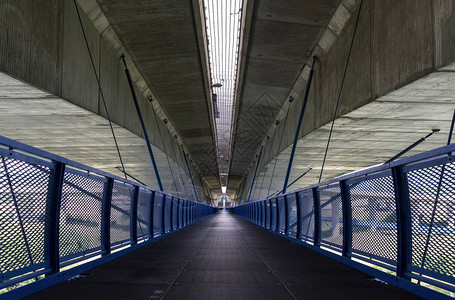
(165,41)
(42,120)
(370,134)
(281,38)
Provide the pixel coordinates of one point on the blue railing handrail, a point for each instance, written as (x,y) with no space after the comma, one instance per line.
(377,168)
(123,213)
(397,216)
(15,145)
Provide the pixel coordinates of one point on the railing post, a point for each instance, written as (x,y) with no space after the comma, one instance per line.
(151,212)
(171,221)
(53,212)
(317,217)
(298,233)
(163,215)
(286,215)
(178,213)
(403,222)
(106,217)
(133,215)
(277,223)
(347,219)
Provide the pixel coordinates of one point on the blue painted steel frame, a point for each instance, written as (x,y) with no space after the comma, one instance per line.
(59,166)
(273,219)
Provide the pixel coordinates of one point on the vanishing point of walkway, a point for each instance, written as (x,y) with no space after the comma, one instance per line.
(223,257)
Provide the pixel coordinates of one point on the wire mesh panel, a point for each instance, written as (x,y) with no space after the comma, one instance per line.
(432,204)
(144,202)
(307,223)
(24,192)
(374,219)
(331,215)
(80,214)
(259,212)
(158,214)
(185,212)
(292,214)
(268,214)
(274,214)
(263,216)
(281,215)
(180,207)
(174,213)
(120,213)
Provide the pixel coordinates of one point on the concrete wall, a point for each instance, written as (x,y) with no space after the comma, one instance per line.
(396,43)
(42,44)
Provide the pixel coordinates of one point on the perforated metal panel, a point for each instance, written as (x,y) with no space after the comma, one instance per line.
(432,202)
(274,214)
(374,219)
(292,214)
(331,215)
(281,215)
(143,214)
(158,214)
(120,214)
(180,207)
(24,192)
(167,214)
(80,214)
(174,213)
(263,216)
(306,204)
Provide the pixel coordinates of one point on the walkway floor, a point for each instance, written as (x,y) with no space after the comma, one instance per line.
(223,257)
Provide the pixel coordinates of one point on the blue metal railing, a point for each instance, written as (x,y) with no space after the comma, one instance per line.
(397,217)
(56,213)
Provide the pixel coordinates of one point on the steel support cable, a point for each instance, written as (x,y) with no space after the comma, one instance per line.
(165,151)
(16,207)
(341,89)
(175,155)
(436,201)
(267,160)
(100,89)
(279,147)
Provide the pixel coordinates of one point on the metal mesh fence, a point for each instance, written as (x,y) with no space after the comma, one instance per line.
(120,214)
(292,214)
(431,195)
(374,220)
(144,201)
(307,212)
(80,214)
(24,189)
(331,215)
(158,214)
(273,214)
(281,215)
(167,213)
(174,213)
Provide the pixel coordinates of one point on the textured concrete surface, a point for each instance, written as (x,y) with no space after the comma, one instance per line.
(396,43)
(39,119)
(223,257)
(390,51)
(366,136)
(42,43)
(162,38)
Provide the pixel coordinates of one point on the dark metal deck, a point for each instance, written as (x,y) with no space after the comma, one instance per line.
(223,257)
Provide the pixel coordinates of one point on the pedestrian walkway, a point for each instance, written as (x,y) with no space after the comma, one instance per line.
(223,257)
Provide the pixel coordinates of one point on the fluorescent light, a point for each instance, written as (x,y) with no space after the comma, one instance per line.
(223,189)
